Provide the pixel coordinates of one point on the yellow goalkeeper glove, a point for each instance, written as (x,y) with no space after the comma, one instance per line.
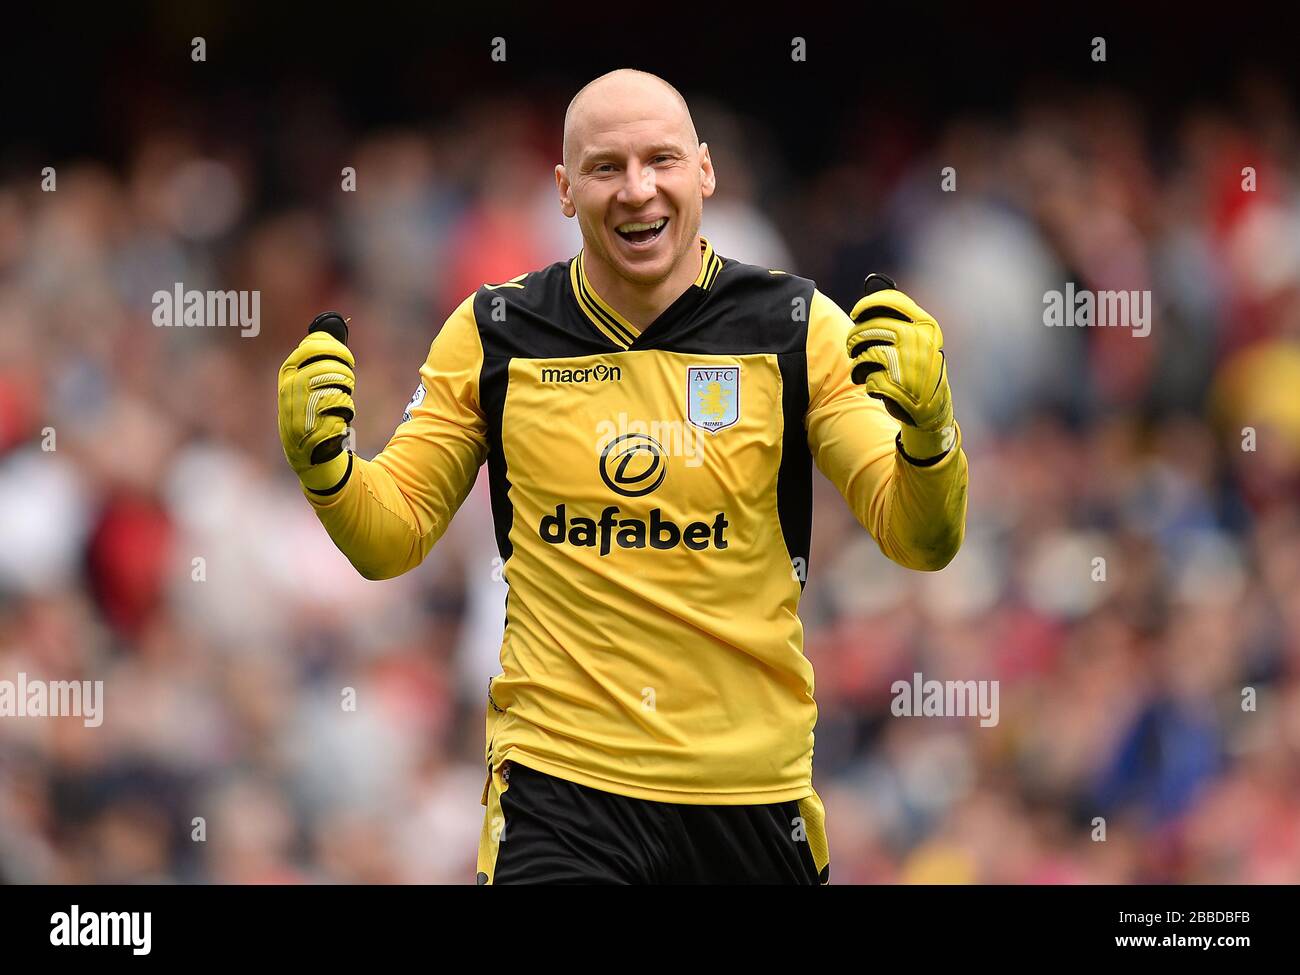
(897,353)
(316,386)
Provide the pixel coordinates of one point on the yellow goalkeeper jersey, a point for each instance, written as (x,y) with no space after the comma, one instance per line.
(652,499)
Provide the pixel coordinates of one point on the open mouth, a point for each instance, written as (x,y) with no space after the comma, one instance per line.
(642,234)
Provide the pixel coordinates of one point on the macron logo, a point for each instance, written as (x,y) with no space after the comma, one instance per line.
(105,928)
(600,374)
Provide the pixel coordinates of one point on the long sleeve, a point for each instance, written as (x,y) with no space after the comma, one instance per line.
(916,514)
(394,508)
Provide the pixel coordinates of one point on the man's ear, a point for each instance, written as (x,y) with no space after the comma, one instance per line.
(566,197)
(708,178)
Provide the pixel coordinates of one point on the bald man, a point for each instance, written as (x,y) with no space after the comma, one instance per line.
(649,412)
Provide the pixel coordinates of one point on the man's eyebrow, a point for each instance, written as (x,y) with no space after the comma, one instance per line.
(602,153)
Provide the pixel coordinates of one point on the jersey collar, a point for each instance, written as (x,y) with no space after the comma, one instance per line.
(610,323)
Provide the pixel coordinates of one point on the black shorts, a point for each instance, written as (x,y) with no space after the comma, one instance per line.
(540,829)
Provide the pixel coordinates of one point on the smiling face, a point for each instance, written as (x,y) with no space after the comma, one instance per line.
(635,176)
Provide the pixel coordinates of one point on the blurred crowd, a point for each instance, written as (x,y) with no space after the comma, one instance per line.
(1130,576)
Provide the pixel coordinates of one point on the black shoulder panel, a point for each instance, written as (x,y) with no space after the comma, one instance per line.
(539,320)
(749,309)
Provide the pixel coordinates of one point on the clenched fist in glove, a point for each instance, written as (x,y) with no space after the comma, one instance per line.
(897,353)
(316,386)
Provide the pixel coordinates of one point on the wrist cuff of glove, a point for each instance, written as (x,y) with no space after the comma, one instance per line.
(330,472)
(925,449)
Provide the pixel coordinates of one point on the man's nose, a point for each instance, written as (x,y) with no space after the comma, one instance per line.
(638,186)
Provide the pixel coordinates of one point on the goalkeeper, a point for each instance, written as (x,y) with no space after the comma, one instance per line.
(653,718)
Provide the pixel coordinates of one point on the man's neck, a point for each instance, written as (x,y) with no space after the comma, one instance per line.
(641,304)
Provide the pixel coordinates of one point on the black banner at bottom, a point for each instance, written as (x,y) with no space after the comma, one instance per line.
(335,925)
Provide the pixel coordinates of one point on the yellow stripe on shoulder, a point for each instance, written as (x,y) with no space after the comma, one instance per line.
(512,283)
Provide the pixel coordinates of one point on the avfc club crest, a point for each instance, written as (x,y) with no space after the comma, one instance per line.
(416,399)
(713,396)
